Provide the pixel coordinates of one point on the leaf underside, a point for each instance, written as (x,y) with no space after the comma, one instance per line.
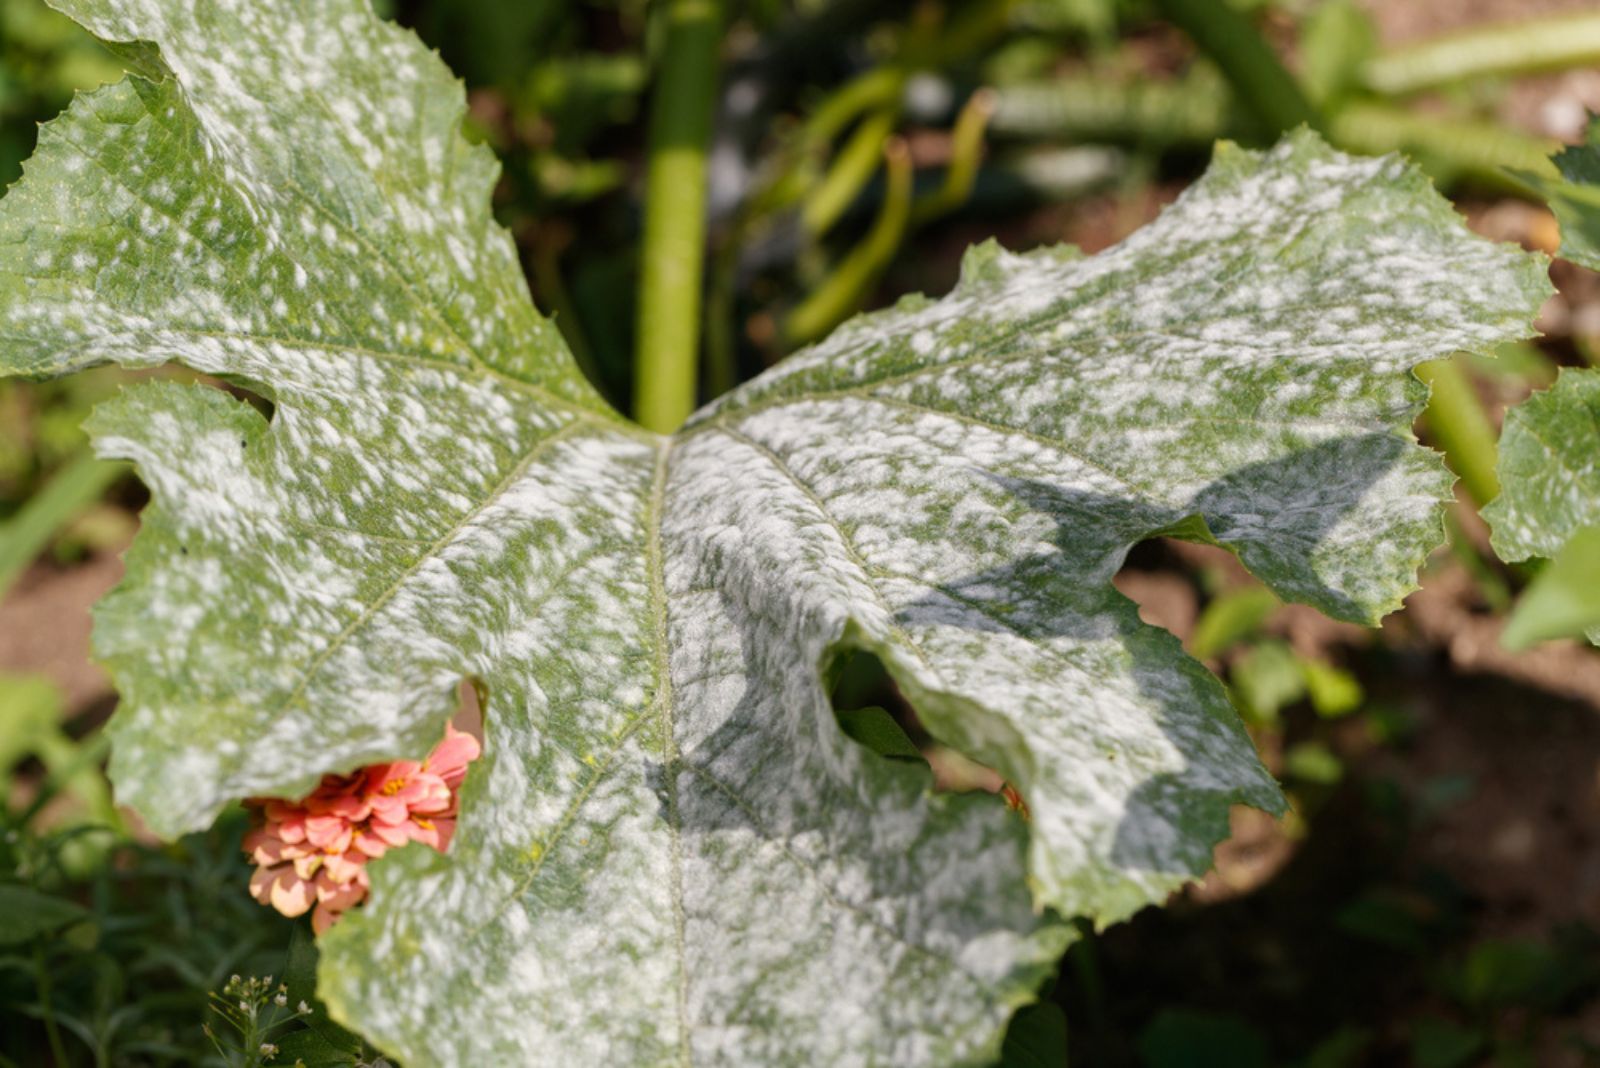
(670,852)
(1549,462)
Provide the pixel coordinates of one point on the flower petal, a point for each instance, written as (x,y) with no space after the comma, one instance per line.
(453,754)
(291,895)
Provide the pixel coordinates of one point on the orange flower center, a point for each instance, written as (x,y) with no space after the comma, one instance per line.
(393,786)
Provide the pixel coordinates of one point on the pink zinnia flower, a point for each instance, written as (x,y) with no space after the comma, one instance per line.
(312,854)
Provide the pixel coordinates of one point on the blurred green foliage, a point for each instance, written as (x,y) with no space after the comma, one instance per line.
(44,59)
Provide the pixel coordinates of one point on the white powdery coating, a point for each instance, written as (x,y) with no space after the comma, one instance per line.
(1549,469)
(669,852)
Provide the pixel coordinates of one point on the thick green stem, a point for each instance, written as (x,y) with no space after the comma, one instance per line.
(666,353)
(1263,85)
(1456,418)
(1540,44)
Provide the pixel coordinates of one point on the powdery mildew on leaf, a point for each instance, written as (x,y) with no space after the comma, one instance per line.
(669,852)
(1549,461)
(1575,197)
(1549,469)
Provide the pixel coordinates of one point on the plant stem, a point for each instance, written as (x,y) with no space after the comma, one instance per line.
(58,1050)
(1260,80)
(70,490)
(1539,44)
(1194,109)
(666,352)
(878,88)
(1479,149)
(852,169)
(843,292)
(966,149)
(1463,431)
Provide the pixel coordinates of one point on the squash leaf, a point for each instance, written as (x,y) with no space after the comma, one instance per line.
(1550,446)
(670,851)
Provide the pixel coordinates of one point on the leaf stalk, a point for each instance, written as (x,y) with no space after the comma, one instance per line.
(666,351)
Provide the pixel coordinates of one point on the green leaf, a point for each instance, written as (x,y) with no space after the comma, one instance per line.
(1186,1038)
(31,711)
(1564,600)
(1334,692)
(1550,447)
(1440,1043)
(1037,1038)
(1550,503)
(1266,680)
(878,731)
(1575,197)
(670,851)
(1229,619)
(1313,762)
(30,914)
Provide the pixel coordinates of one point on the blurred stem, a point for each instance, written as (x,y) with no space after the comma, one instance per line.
(666,354)
(75,487)
(1462,430)
(1191,110)
(842,293)
(1496,594)
(66,762)
(1195,110)
(47,1011)
(1532,45)
(74,768)
(1260,81)
(1479,148)
(879,87)
(852,169)
(966,149)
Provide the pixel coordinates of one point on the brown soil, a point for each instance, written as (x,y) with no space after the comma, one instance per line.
(44,627)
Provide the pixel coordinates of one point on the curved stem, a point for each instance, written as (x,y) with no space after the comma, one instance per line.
(846,289)
(1540,44)
(1462,430)
(1485,151)
(852,169)
(666,351)
(1263,85)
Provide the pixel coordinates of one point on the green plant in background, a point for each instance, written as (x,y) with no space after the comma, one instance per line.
(44,59)
(1266,675)
(32,727)
(672,851)
(111,963)
(111,949)
(1549,465)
